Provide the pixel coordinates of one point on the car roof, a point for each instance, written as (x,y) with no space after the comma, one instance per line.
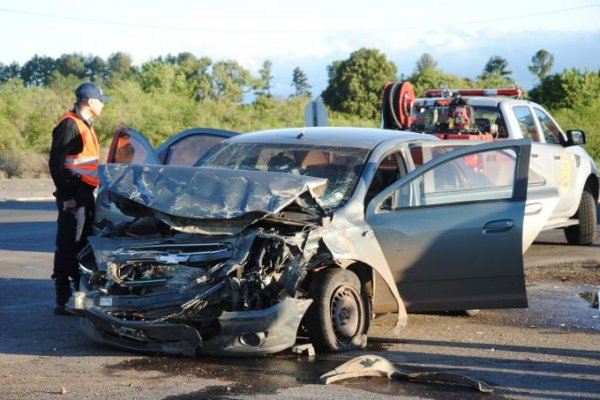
(367,138)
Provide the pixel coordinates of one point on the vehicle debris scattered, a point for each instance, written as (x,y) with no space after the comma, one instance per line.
(377,366)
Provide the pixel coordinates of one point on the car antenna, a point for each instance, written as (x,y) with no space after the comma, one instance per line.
(301,134)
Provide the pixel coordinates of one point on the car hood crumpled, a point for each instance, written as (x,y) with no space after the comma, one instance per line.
(210,200)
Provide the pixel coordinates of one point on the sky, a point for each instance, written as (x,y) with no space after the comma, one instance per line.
(460,35)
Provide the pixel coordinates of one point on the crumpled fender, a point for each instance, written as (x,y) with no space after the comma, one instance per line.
(197,200)
(358,243)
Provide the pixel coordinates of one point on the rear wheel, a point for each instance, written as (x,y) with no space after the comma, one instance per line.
(337,319)
(584,233)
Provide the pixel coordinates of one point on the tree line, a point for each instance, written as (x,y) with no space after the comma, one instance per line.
(354,84)
(185,73)
(171,93)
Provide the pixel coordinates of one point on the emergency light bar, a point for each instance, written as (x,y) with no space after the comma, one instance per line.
(516,92)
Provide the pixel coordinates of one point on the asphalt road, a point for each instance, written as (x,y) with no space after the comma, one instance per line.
(550,350)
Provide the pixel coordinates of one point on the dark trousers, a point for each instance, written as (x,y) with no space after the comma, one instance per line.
(67,245)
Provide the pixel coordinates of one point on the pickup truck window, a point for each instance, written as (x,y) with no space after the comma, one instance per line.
(550,130)
(526,122)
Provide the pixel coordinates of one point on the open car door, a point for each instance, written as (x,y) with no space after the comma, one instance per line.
(451,230)
(185,148)
(128,146)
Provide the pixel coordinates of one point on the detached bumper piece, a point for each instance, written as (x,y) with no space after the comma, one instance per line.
(242,333)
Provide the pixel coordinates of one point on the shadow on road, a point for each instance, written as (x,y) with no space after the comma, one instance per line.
(30,328)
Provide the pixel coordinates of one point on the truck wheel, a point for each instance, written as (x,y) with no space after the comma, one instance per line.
(337,318)
(583,234)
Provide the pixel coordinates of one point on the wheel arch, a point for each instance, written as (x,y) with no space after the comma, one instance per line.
(381,297)
(593,183)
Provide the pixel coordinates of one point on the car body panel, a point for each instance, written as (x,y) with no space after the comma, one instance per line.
(419,241)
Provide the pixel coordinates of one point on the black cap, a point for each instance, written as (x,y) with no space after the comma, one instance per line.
(89,90)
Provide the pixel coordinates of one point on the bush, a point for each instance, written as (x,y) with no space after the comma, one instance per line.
(23,164)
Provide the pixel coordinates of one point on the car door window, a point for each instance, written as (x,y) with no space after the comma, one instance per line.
(526,122)
(190,149)
(130,150)
(476,177)
(389,170)
(550,130)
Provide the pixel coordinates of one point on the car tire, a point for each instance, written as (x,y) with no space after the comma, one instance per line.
(337,320)
(584,233)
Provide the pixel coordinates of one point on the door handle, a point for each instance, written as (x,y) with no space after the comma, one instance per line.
(556,156)
(534,155)
(533,208)
(502,225)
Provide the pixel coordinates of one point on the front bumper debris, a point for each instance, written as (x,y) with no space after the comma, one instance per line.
(242,333)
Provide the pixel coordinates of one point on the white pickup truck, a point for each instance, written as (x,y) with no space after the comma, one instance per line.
(557,159)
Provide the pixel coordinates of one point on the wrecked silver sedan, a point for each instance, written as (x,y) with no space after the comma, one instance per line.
(241,247)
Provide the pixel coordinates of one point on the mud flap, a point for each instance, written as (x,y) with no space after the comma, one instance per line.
(370,365)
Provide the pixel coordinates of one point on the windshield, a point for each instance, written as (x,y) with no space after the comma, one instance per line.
(341,166)
(454,116)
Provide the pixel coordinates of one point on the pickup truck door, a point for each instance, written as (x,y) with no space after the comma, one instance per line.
(565,167)
(452,233)
(549,159)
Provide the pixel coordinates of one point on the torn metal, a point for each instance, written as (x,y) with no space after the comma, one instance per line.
(371,365)
(212,261)
(207,200)
(236,292)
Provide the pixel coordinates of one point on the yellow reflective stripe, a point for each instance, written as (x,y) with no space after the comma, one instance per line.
(82,171)
(81,160)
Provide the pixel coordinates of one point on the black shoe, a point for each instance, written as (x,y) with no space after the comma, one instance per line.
(61,310)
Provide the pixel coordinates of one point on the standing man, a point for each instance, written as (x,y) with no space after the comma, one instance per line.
(73,166)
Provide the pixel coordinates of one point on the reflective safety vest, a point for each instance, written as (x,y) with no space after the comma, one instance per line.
(84,164)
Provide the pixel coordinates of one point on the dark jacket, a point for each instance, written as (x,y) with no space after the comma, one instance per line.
(66,140)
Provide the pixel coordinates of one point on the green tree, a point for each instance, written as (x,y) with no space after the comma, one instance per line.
(72,64)
(569,89)
(161,77)
(497,66)
(427,76)
(230,81)
(355,84)
(119,64)
(196,73)
(541,64)
(37,71)
(300,83)
(265,79)
(426,62)
(8,72)
(96,68)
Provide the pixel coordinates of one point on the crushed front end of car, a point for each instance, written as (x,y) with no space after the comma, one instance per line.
(200,260)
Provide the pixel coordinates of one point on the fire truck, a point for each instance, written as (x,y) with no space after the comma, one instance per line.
(557,158)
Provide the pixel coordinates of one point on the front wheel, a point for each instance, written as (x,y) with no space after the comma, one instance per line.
(337,319)
(584,233)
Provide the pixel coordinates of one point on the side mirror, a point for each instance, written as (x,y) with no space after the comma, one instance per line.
(575,137)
